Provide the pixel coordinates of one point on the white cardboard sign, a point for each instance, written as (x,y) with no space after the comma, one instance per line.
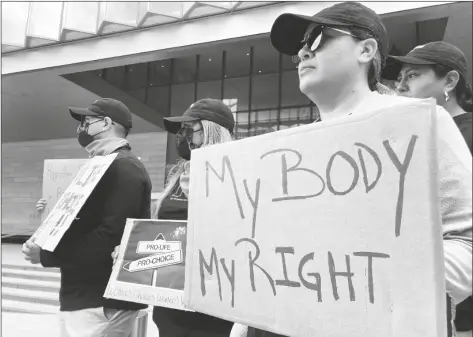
(329,229)
(48,235)
(57,176)
(150,271)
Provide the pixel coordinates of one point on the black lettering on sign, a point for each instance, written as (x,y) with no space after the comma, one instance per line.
(231,277)
(59,223)
(370,256)
(295,168)
(225,163)
(92,176)
(254,202)
(252,264)
(374,155)
(59,192)
(66,201)
(356,172)
(95,174)
(209,267)
(317,285)
(402,168)
(286,282)
(84,178)
(333,274)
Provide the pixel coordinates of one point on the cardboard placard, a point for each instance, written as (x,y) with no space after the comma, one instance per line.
(329,229)
(57,176)
(48,235)
(150,271)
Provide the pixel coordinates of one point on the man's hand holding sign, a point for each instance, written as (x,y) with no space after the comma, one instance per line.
(31,252)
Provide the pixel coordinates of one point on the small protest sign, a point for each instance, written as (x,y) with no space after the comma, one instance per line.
(57,176)
(48,235)
(328,229)
(150,271)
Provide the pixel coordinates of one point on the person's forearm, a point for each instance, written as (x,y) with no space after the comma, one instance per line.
(239,330)
(458,268)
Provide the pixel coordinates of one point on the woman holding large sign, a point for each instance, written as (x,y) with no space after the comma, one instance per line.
(342,50)
(206,122)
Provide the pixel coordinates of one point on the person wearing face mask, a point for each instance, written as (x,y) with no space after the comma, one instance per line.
(83,254)
(206,122)
(342,51)
(439,70)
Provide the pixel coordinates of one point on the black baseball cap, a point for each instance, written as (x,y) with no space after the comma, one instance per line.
(433,53)
(208,109)
(105,107)
(288,30)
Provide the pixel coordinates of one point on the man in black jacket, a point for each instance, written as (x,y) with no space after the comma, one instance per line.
(83,254)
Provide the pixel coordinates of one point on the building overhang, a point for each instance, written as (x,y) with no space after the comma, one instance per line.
(162,42)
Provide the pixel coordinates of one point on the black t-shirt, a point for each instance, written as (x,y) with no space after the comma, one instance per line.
(174,321)
(464,123)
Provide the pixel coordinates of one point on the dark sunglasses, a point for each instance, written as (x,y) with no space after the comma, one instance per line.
(317,37)
(84,123)
(187,132)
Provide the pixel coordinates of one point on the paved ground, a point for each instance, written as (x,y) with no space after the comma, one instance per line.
(27,325)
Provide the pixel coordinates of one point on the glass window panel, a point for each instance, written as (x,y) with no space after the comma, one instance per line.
(184,70)
(160,73)
(267,121)
(182,97)
(139,94)
(115,76)
(158,98)
(265,91)
(209,89)
(252,129)
(237,62)
(210,66)
(265,58)
(238,88)
(291,117)
(291,95)
(136,76)
(241,128)
(315,113)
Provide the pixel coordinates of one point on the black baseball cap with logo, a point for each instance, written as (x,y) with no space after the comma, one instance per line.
(433,53)
(209,109)
(105,107)
(288,30)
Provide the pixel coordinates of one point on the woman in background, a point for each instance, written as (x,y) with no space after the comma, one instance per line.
(439,70)
(206,122)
